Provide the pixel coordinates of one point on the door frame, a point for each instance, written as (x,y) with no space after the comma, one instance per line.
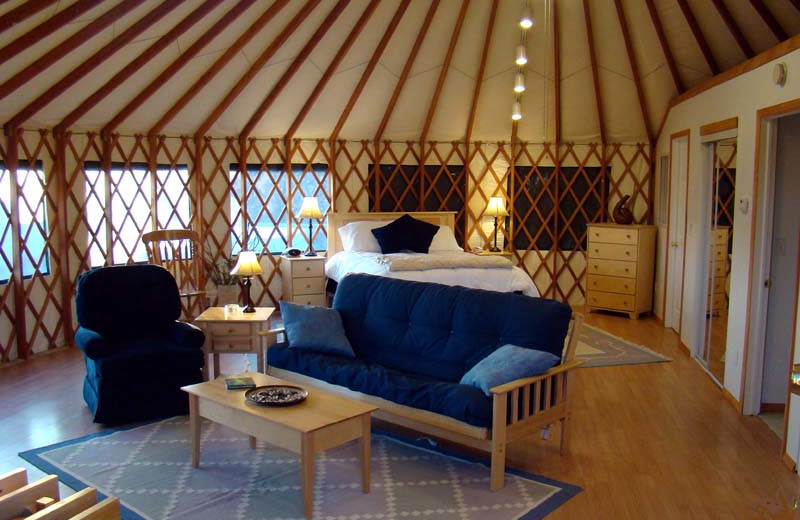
(755,325)
(677,135)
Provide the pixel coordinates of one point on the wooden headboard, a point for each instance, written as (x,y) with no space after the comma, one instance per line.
(337,220)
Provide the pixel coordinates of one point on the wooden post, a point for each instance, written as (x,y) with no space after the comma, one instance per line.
(60,177)
(12,165)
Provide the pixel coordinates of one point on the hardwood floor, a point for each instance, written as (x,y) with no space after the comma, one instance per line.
(646,441)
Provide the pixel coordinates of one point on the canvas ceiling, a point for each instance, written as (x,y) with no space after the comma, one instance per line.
(579,118)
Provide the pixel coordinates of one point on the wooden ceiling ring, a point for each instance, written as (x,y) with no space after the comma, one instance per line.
(462,13)
(258,64)
(134,66)
(219,64)
(634,68)
(412,56)
(95,60)
(767,17)
(373,62)
(59,51)
(587,17)
(487,41)
(733,28)
(312,42)
(46,28)
(698,36)
(662,40)
(326,76)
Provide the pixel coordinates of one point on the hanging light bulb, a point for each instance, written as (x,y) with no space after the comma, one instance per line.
(516,111)
(526,20)
(522,57)
(519,83)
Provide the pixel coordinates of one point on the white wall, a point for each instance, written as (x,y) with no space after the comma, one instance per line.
(740,97)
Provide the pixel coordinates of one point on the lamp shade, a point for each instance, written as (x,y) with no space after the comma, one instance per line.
(247,265)
(496,207)
(310,208)
(526,20)
(516,111)
(522,56)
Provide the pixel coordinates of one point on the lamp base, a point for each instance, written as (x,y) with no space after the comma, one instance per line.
(310,252)
(248,302)
(494,249)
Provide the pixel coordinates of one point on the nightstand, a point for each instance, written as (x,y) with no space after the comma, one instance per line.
(233,333)
(303,279)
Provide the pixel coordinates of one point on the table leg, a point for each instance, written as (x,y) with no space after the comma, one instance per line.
(206,349)
(252,442)
(366,458)
(216,365)
(194,429)
(260,360)
(307,471)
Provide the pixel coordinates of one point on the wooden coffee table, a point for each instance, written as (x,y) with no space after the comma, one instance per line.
(321,422)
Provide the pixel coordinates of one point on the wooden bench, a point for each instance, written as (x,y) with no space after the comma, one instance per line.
(40,500)
(519,407)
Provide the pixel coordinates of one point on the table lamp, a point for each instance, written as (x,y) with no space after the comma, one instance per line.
(247,266)
(310,210)
(496,209)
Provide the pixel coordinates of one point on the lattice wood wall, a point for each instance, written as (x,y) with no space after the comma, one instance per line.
(86,189)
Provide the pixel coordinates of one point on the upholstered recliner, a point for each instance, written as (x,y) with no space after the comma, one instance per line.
(137,355)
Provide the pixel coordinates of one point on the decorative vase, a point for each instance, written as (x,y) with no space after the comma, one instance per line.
(227,294)
(622,213)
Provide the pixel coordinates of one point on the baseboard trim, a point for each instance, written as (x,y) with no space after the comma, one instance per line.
(685,349)
(788,462)
(773,407)
(732,400)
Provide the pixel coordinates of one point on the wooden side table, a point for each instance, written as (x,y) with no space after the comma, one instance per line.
(234,333)
(303,279)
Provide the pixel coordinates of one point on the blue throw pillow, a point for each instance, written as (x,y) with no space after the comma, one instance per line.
(405,233)
(315,328)
(506,364)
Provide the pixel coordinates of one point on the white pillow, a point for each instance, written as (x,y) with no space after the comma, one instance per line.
(444,240)
(357,236)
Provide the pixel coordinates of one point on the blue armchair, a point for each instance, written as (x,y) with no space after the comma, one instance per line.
(137,355)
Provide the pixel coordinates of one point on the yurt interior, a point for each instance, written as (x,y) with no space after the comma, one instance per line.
(468,259)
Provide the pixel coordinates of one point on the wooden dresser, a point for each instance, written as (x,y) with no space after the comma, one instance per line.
(718,270)
(303,279)
(620,262)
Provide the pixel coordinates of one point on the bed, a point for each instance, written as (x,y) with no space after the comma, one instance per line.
(446,263)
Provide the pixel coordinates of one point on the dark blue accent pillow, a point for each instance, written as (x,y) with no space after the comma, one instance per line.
(314,328)
(507,364)
(405,233)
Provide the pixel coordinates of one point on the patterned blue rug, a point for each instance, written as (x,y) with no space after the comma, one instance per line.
(148,468)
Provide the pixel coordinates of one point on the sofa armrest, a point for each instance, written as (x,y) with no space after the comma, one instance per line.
(93,344)
(272,335)
(185,334)
(520,383)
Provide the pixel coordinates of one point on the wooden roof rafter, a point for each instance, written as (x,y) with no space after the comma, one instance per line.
(46,28)
(284,80)
(462,13)
(767,17)
(634,68)
(412,56)
(698,37)
(556,76)
(140,61)
(257,65)
(94,61)
(733,28)
(22,12)
(587,18)
(796,4)
(326,76)
(373,62)
(487,42)
(662,40)
(73,42)
(219,64)
(237,10)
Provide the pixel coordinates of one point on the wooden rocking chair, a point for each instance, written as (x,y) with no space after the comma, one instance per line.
(178,251)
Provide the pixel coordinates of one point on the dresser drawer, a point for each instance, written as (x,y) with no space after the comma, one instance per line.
(720,236)
(716,302)
(611,251)
(307,268)
(612,268)
(611,284)
(308,285)
(720,268)
(230,329)
(614,301)
(613,235)
(310,299)
(231,344)
(718,253)
(718,286)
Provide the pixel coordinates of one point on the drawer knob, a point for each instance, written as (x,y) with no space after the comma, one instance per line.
(308,268)
(626,269)
(627,236)
(596,250)
(596,266)
(628,253)
(594,282)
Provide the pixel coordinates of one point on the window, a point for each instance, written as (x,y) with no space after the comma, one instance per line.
(126,192)
(259,206)
(34,228)
(553,210)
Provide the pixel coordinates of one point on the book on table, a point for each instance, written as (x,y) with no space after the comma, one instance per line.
(239,383)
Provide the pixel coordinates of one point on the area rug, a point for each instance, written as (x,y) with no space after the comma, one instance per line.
(598,348)
(148,468)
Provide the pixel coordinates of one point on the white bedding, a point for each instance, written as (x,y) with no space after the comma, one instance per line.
(500,279)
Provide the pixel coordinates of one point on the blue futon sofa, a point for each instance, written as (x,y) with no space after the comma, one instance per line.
(414,341)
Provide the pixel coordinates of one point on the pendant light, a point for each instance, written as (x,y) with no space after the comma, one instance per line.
(526,20)
(516,111)
(519,82)
(522,57)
